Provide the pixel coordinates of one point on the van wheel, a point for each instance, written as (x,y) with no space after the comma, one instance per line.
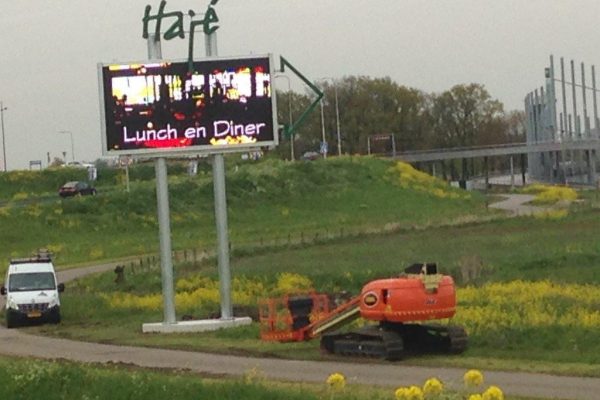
(10,321)
(55,317)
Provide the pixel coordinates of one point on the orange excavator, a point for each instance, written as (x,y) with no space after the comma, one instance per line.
(399,305)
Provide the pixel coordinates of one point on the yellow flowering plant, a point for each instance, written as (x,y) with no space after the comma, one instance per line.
(473,378)
(432,388)
(493,393)
(336,382)
(547,194)
(409,393)
(406,176)
(505,305)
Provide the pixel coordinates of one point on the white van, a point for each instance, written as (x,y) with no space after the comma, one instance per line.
(31,291)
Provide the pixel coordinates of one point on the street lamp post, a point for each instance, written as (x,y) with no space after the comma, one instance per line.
(337,115)
(2,109)
(290,114)
(337,121)
(72,144)
(323,143)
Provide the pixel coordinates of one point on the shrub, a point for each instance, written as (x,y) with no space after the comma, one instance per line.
(545,194)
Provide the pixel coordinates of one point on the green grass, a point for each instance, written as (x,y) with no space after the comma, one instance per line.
(339,197)
(36,379)
(563,251)
(32,379)
(266,200)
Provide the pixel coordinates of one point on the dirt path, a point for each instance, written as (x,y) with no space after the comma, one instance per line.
(18,343)
(516,204)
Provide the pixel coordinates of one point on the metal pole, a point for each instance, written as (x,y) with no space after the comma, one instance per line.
(337,120)
(575,119)
(512,173)
(2,109)
(571,151)
(487,173)
(564,93)
(323,130)
(523,169)
(154,47)
(127,175)
(164,222)
(562,149)
(594,97)
(535,169)
(164,228)
(290,119)
(586,125)
(543,115)
(210,42)
(553,99)
(72,144)
(221,213)
(563,120)
(222,236)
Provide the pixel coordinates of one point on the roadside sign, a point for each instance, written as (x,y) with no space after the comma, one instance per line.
(161,108)
(323,148)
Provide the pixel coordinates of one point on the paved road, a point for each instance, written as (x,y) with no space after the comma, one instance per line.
(18,343)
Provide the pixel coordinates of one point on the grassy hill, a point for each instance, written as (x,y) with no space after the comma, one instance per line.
(266,200)
(526,284)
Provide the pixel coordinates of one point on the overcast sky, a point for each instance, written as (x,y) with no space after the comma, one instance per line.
(50,51)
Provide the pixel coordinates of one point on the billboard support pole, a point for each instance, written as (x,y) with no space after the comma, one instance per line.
(164,228)
(221,212)
(164,223)
(222,235)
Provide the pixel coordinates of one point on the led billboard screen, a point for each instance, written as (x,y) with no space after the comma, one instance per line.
(164,107)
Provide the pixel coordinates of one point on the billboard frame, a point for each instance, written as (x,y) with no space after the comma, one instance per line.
(194,150)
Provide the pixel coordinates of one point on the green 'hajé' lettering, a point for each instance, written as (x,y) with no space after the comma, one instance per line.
(208,23)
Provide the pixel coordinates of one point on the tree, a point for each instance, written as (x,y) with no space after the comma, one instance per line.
(303,135)
(370,106)
(515,126)
(463,115)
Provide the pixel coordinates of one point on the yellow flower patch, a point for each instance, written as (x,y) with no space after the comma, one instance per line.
(528,304)
(546,194)
(407,177)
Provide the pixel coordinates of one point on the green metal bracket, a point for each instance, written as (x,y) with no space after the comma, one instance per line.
(289,130)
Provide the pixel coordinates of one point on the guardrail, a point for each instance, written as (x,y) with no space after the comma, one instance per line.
(496,150)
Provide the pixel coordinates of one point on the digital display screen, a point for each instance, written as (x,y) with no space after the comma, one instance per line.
(215,106)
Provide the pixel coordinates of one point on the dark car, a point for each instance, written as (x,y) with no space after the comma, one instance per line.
(76,188)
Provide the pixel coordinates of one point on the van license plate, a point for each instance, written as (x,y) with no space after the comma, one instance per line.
(34,314)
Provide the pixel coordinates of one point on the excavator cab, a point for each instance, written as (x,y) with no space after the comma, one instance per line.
(422,268)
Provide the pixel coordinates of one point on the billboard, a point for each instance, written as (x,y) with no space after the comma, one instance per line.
(163,108)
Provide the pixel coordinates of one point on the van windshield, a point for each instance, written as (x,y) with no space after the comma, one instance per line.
(31,281)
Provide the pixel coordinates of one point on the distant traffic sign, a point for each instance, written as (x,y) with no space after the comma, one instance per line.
(323,148)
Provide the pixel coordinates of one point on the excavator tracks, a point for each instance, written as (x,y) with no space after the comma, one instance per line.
(392,341)
(369,341)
